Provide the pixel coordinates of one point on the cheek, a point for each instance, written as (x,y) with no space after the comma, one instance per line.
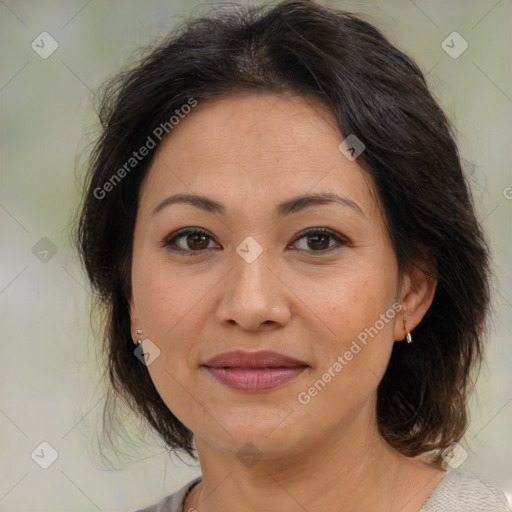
(353,354)
(172,304)
(347,300)
(167,294)
(354,317)
(172,309)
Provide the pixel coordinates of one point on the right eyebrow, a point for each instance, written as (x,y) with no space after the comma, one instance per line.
(202,202)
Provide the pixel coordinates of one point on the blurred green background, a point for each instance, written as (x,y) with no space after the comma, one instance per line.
(49,370)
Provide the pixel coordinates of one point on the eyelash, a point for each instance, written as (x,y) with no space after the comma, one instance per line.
(167,243)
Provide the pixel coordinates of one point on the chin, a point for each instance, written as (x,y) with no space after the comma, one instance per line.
(272,432)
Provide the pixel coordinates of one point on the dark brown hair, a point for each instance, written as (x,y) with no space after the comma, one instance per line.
(378,94)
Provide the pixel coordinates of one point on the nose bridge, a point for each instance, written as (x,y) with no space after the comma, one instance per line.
(252,279)
(254,294)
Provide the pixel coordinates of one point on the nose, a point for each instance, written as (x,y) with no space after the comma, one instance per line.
(255,297)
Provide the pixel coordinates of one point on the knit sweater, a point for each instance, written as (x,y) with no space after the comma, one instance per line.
(457,492)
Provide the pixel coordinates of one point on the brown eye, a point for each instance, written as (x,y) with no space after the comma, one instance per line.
(319,239)
(188,240)
(197,241)
(319,242)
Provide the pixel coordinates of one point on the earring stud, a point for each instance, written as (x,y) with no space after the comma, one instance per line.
(139,332)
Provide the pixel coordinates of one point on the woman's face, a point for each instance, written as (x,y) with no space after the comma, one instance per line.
(251,280)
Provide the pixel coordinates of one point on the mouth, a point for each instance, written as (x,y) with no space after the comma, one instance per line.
(254,372)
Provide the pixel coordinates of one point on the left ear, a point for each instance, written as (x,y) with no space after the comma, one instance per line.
(417,292)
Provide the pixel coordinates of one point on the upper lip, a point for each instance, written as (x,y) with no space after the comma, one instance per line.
(261,359)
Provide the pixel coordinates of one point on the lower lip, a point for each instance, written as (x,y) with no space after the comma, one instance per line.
(254,380)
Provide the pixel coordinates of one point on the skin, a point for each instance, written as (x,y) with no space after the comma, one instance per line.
(250,152)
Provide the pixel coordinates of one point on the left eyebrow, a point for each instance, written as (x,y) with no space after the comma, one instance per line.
(301,202)
(285,208)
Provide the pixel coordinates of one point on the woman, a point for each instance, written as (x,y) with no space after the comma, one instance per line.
(295,281)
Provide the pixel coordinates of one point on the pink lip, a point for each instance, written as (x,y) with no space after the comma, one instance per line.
(261,359)
(254,380)
(253,372)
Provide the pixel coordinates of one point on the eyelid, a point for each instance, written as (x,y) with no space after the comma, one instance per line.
(326,231)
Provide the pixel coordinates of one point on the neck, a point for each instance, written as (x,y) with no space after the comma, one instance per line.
(354,471)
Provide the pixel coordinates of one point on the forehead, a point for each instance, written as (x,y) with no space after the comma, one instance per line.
(257,148)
